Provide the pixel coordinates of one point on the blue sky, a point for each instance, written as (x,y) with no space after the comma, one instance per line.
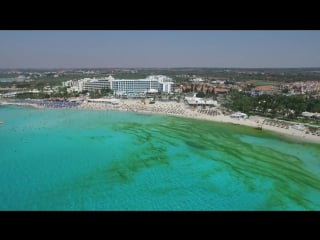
(71,49)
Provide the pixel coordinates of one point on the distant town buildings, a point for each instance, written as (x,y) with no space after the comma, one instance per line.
(203,87)
(302,87)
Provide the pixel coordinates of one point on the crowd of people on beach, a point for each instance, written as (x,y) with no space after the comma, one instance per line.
(44,103)
(210,112)
(276,123)
(284,124)
(59,104)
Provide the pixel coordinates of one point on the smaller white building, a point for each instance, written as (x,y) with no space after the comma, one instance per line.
(200,101)
(298,127)
(239,115)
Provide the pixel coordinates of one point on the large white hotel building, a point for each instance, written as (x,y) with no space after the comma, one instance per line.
(130,87)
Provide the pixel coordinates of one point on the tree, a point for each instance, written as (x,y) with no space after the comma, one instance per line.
(200,95)
(106,91)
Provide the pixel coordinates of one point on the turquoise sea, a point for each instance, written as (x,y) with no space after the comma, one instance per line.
(63,159)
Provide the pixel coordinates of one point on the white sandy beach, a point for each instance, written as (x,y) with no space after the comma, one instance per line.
(182,110)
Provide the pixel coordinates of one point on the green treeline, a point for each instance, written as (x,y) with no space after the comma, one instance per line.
(100,93)
(274,106)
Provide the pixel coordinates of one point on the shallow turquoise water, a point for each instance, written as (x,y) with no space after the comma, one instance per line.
(88,160)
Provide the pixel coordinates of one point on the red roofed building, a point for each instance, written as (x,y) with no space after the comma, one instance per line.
(220,90)
(263,90)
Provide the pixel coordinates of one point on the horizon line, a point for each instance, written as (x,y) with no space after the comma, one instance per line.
(18,68)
